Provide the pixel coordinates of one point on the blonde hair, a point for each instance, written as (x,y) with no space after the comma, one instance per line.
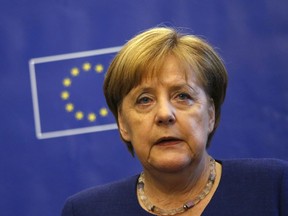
(144,54)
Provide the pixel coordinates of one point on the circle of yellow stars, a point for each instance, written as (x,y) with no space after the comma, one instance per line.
(65,94)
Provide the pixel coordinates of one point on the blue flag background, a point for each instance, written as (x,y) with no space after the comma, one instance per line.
(67,93)
(56,135)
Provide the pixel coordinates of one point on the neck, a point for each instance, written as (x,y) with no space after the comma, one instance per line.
(172,203)
(182,184)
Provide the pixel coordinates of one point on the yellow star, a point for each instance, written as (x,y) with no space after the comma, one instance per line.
(99,68)
(67,82)
(69,107)
(75,71)
(79,115)
(86,66)
(65,95)
(103,112)
(91,117)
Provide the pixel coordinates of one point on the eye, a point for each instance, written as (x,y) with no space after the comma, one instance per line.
(144,100)
(184,96)
(184,99)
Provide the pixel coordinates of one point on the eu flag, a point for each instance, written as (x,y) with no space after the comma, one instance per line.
(67,93)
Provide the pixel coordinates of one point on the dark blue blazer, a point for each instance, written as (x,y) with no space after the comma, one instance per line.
(248,187)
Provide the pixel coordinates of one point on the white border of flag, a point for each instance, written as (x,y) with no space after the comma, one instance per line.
(37,118)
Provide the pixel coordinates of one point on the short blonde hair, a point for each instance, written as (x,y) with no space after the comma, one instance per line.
(144,54)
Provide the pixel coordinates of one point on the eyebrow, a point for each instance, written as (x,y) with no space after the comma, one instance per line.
(141,89)
(144,88)
(173,87)
(184,85)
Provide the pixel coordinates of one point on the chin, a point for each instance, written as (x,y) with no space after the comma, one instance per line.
(171,165)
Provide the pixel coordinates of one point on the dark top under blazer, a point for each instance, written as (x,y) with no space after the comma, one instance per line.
(256,187)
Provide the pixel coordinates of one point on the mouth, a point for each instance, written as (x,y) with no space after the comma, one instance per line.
(164,141)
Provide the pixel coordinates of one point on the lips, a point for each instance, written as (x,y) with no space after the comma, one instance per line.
(168,141)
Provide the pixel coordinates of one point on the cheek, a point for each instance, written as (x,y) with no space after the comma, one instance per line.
(139,127)
(141,143)
(134,123)
(196,128)
(141,135)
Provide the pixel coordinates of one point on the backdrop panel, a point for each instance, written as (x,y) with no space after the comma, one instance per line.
(40,167)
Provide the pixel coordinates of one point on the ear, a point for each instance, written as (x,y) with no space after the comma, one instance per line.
(211,113)
(123,129)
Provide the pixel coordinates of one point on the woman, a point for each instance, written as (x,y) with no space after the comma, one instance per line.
(165,90)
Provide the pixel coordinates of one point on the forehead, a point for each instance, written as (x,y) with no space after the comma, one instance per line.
(170,69)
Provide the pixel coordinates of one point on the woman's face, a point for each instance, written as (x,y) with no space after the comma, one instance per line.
(167,119)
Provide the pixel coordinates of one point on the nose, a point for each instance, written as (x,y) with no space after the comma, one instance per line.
(165,114)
